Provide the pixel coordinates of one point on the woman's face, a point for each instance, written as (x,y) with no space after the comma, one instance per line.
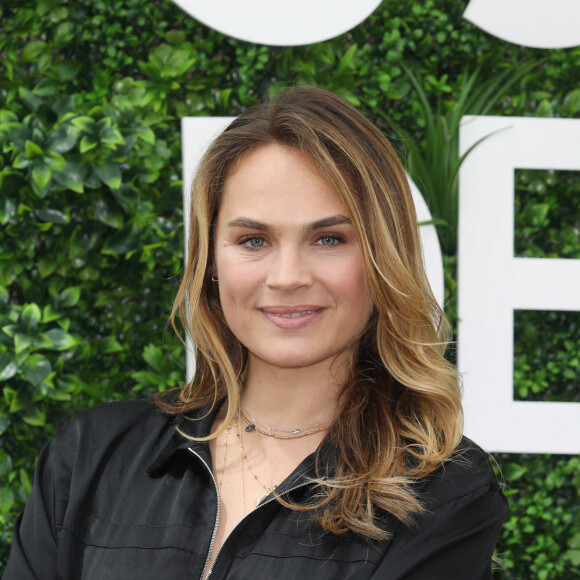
(291,275)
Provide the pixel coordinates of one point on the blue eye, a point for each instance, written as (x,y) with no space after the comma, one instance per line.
(328,241)
(254,242)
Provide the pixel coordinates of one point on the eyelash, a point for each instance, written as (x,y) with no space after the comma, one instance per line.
(244,241)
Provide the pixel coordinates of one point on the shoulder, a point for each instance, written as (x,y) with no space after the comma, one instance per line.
(467,472)
(119,416)
(455,536)
(105,426)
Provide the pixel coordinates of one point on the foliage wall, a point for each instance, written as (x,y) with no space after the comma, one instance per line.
(91,96)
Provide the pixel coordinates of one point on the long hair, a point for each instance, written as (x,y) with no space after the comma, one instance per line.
(400,411)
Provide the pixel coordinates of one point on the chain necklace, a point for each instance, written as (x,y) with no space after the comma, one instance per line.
(281,433)
(244,457)
(224,458)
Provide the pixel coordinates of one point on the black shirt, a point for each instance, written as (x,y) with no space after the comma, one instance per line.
(121,494)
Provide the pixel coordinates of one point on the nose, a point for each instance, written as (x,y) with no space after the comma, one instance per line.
(289,270)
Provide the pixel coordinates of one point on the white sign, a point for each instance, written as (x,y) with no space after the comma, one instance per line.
(280,22)
(198,132)
(493,283)
(534,23)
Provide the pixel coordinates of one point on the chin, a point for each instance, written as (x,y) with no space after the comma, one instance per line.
(296,360)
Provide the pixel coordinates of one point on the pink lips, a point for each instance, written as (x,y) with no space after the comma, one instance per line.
(292,317)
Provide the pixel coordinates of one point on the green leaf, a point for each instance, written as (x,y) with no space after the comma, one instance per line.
(175,37)
(41,175)
(63,140)
(30,316)
(146,134)
(4,423)
(34,417)
(32,50)
(110,344)
(87,143)
(7,210)
(8,366)
(107,213)
(22,342)
(72,176)
(514,471)
(32,150)
(25,480)
(6,500)
(42,341)
(53,216)
(83,123)
(46,88)
(70,296)
(346,60)
(29,99)
(47,265)
(572,101)
(123,241)
(61,340)
(153,355)
(109,173)
(36,369)
(68,70)
(49,315)
(5,465)
(4,295)
(21,162)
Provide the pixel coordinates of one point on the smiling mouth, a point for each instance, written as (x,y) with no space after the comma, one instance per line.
(294,314)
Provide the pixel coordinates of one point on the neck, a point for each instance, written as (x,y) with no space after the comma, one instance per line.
(290,398)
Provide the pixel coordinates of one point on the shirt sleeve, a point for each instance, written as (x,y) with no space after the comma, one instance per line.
(455,538)
(34,546)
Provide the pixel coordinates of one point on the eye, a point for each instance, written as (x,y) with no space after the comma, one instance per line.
(253,242)
(329,240)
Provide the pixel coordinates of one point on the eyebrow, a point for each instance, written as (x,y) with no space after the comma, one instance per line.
(251,224)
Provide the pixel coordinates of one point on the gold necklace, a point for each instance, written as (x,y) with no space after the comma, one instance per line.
(273,431)
(224,458)
(244,458)
(241,467)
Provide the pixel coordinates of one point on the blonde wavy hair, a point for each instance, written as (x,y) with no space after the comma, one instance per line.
(400,412)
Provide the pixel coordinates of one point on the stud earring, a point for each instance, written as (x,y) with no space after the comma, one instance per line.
(214,279)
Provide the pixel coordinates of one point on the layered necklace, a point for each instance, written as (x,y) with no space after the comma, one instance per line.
(281,433)
(253,425)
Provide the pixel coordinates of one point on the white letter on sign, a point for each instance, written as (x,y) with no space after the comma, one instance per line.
(280,22)
(535,23)
(493,283)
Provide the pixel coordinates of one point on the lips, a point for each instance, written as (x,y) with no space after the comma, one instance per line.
(292,317)
(295,314)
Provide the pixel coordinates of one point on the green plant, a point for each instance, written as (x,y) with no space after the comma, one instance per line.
(432,156)
(91,96)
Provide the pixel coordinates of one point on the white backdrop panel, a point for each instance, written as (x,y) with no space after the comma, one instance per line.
(534,23)
(280,22)
(493,283)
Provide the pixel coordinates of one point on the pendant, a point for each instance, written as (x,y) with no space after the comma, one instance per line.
(250,428)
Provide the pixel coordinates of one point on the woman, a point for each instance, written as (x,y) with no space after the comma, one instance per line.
(321,434)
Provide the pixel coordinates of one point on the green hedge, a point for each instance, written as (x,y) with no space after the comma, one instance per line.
(91,96)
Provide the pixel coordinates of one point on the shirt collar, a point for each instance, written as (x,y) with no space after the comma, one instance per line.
(194,424)
(198,423)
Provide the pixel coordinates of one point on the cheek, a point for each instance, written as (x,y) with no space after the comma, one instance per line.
(363,294)
(237,285)
(352,287)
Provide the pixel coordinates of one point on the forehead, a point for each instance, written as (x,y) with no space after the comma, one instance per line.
(275,182)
